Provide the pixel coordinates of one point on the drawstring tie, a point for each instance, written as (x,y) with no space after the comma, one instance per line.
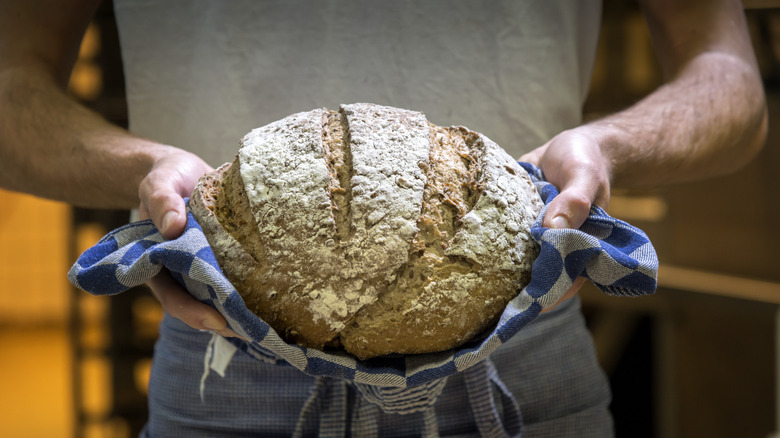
(328,400)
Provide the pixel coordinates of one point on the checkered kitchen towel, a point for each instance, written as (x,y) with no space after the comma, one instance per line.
(616,256)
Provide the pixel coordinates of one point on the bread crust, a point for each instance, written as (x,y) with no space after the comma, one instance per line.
(371,229)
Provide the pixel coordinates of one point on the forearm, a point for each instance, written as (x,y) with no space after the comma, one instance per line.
(710,119)
(54,147)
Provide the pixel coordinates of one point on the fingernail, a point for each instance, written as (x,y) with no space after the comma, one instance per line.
(559,222)
(227,333)
(168,220)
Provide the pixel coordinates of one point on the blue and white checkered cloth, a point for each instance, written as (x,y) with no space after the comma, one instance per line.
(617,257)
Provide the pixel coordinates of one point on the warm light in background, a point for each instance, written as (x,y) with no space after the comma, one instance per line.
(646,208)
(33,260)
(86,80)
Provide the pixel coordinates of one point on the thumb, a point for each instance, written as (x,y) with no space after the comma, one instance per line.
(170,217)
(164,206)
(571,207)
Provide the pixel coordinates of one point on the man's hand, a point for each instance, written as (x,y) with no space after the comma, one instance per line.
(172,177)
(574,163)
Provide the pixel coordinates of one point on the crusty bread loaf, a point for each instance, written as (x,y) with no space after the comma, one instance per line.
(371,229)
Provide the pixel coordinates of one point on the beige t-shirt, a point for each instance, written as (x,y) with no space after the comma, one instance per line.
(201,74)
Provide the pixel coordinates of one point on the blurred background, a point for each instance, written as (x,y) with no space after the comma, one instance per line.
(699,358)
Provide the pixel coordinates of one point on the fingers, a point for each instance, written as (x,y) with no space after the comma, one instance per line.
(570,293)
(181,305)
(174,175)
(574,163)
(534,156)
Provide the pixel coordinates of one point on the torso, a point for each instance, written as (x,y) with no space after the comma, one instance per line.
(201,74)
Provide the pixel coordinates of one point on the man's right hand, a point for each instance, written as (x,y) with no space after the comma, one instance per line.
(172,177)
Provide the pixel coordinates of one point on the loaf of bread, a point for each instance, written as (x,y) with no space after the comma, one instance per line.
(371,229)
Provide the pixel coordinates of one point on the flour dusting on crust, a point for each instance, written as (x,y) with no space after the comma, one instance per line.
(371,228)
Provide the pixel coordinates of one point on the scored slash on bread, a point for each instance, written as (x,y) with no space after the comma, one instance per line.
(371,229)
